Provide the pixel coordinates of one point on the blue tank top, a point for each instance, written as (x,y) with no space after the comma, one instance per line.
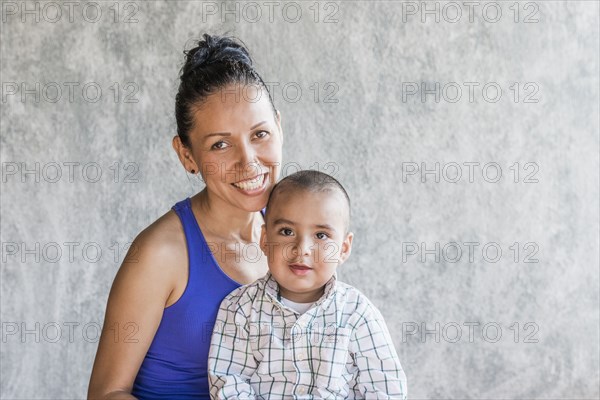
(175,366)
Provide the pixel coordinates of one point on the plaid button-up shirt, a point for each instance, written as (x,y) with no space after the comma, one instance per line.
(340,348)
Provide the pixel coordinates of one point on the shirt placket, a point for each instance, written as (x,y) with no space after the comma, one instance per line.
(301,352)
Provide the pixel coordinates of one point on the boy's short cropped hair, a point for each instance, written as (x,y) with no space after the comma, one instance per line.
(309,180)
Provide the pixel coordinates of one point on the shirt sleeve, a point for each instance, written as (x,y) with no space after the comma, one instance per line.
(380,375)
(230,360)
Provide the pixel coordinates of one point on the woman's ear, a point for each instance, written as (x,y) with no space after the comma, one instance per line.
(185,155)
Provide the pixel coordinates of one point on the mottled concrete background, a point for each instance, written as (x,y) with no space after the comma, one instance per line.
(356,85)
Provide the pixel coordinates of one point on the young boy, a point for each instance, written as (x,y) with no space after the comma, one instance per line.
(298,332)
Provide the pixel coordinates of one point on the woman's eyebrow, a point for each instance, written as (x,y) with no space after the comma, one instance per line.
(257,125)
(209,135)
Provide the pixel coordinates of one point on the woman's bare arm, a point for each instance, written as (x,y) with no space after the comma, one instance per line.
(135,307)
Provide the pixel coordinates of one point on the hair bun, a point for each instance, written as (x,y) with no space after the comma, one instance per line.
(212,64)
(213,50)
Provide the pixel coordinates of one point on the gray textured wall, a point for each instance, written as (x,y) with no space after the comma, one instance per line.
(378,136)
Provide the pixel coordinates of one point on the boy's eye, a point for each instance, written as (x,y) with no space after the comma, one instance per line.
(322,235)
(262,134)
(218,145)
(286,231)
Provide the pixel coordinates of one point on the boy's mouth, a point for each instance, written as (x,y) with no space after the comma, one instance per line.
(299,268)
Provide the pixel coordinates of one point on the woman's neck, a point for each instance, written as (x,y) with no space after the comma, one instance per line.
(226,221)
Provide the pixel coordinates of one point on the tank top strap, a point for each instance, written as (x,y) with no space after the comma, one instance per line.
(183,209)
(199,255)
(199,251)
(190,225)
(192,231)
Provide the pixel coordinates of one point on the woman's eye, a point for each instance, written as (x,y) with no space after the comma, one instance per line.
(262,134)
(322,235)
(219,145)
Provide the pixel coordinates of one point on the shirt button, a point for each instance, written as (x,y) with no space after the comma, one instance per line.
(301,390)
(300,356)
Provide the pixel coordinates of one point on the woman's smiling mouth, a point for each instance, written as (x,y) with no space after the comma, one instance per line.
(252,185)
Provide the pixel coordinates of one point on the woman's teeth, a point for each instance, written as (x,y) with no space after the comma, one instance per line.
(251,184)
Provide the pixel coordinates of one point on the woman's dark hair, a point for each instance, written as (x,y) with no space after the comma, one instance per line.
(213,64)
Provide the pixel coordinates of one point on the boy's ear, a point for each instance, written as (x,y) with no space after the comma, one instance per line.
(346,248)
(263,239)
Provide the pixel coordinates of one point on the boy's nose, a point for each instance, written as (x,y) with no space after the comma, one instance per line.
(303,247)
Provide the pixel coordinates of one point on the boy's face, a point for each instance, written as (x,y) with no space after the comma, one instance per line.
(305,241)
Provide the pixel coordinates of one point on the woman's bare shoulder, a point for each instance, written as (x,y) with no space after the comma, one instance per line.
(166,231)
(161,246)
(148,280)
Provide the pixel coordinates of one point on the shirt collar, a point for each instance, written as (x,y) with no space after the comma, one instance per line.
(271,288)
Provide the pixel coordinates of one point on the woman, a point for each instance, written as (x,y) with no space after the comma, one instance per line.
(165,297)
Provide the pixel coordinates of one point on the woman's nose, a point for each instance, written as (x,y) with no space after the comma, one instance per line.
(247,163)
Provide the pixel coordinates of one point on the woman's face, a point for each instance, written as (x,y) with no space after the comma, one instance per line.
(236,144)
